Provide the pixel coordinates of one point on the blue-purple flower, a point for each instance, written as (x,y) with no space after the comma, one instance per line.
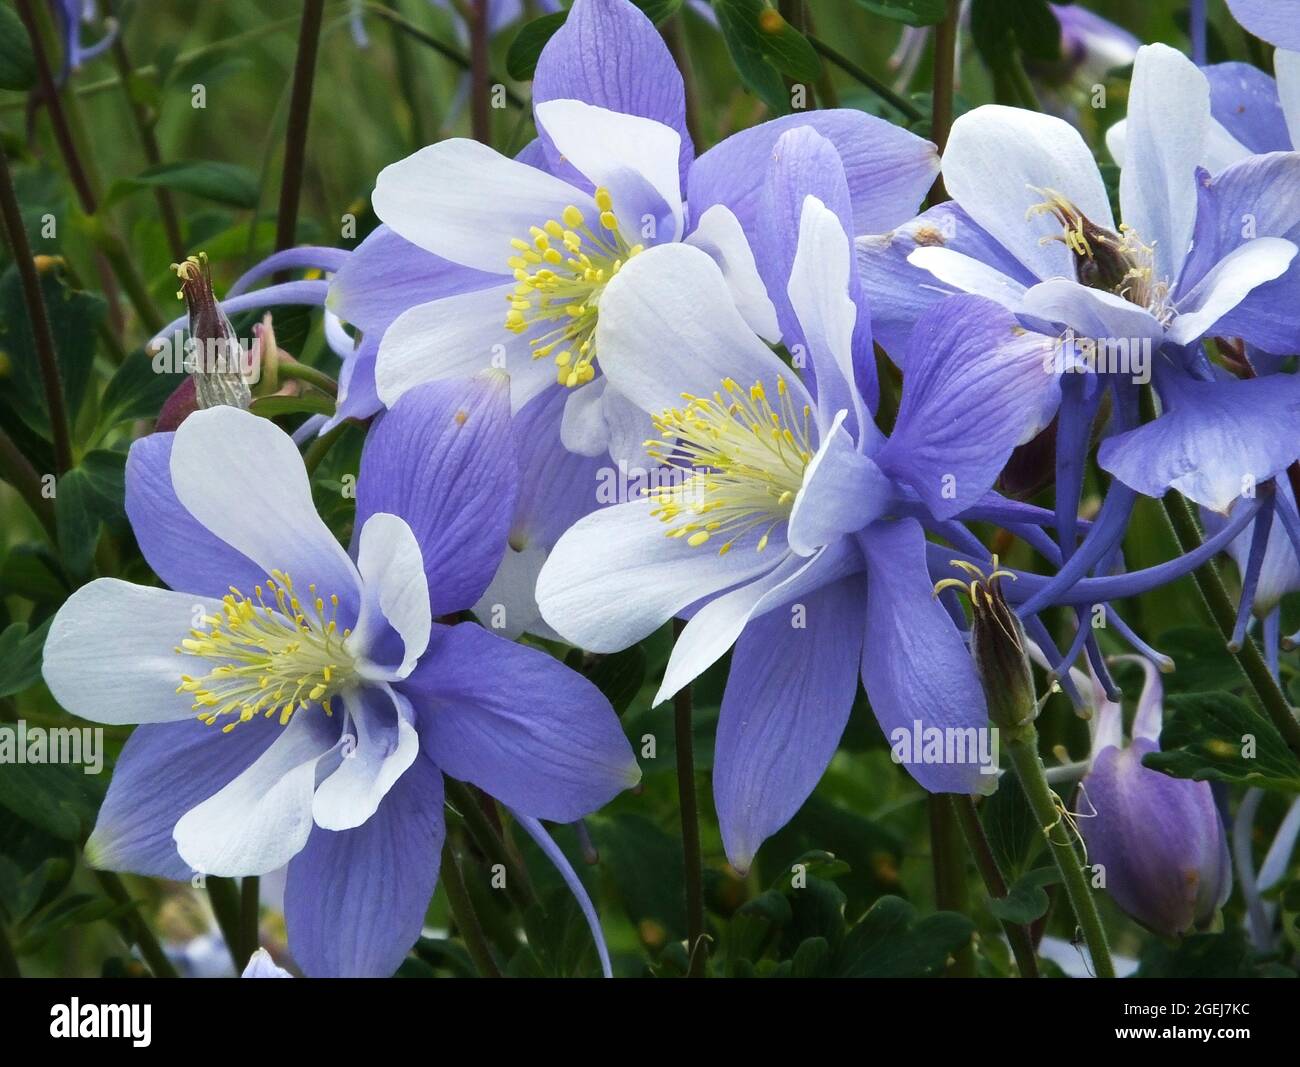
(785,524)
(300,703)
(1276,21)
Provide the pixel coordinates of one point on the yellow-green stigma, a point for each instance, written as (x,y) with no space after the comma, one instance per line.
(1118,263)
(269,659)
(562,270)
(746,462)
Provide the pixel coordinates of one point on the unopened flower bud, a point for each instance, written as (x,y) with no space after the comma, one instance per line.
(998,645)
(214,357)
(1158,840)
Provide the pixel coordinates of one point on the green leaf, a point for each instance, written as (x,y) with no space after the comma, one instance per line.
(1030,24)
(32,571)
(89,495)
(620,676)
(1013,832)
(559,941)
(222,183)
(645,864)
(17,64)
(739,21)
(1220,956)
(526,48)
(74,317)
(889,942)
(1202,661)
(137,390)
(911,12)
(1026,901)
(20,656)
(1219,737)
(59,798)
(786,48)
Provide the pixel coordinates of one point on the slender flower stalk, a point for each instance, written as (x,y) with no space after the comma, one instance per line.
(1049,810)
(17,470)
(1022,944)
(464,915)
(491,843)
(696,946)
(250,899)
(950,874)
(224,898)
(899,103)
(304,73)
(945,80)
(135,929)
(480,112)
(39,318)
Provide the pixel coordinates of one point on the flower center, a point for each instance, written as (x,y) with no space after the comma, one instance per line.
(746,462)
(1119,263)
(562,272)
(268,658)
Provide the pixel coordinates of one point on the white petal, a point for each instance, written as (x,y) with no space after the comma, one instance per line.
(243,478)
(624,153)
(819,297)
(1117,140)
(720,234)
(615,576)
(456,337)
(996,160)
(262,819)
(1287,67)
(582,427)
(509,605)
(110,652)
(1091,313)
(384,746)
(968,275)
(842,492)
(716,626)
(667,326)
(1228,284)
(1168,120)
(394,592)
(461,200)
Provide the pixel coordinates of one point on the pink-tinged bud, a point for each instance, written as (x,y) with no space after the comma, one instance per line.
(214,357)
(1159,840)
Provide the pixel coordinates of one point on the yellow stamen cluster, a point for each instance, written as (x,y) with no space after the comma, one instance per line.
(746,462)
(274,658)
(1119,263)
(562,270)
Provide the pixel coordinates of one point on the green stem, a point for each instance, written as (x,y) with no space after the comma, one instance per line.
(445,50)
(1215,594)
(304,373)
(38,317)
(899,103)
(1022,943)
(138,929)
(224,898)
(295,147)
(1219,604)
(249,903)
(696,944)
(945,80)
(1022,747)
(319,448)
(490,842)
(949,875)
(8,961)
(18,472)
(464,915)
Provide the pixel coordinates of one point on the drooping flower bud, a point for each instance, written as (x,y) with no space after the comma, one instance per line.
(213,355)
(1159,840)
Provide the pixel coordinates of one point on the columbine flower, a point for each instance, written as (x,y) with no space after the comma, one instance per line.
(781,523)
(300,702)
(488,261)
(261,965)
(1053,254)
(1159,839)
(1276,21)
